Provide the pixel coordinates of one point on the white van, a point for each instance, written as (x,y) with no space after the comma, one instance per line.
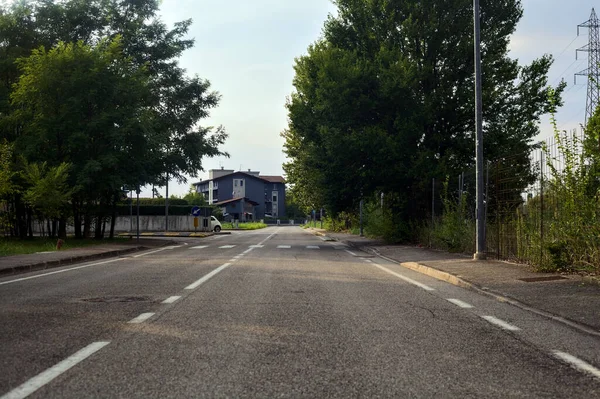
(215,225)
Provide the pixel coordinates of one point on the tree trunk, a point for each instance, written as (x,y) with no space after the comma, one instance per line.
(113,220)
(49,228)
(54,226)
(98,228)
(62,228)
(29,223)
(87,225)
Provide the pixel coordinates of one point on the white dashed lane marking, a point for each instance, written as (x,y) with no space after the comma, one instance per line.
(171,299)
(200,247)
(284,246)
(207,277)
(459,303)
(227,246)
(501,323)
(35,383)
(141,318)
(578,363)
(312,247)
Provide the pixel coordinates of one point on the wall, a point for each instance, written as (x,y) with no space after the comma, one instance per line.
(147,223)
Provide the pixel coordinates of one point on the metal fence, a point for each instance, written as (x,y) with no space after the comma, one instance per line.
(541,206)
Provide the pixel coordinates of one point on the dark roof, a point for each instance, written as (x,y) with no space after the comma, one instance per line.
(270,179)
(231,201)
(273,179)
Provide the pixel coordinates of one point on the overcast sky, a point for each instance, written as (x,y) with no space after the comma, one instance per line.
(247,49)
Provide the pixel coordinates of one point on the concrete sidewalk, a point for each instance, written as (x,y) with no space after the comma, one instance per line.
(571,299)
(43,260)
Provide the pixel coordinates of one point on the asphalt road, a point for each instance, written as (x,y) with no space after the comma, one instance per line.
(275,313)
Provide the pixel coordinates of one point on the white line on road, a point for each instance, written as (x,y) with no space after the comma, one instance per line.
(171,299)
(155,251)
(207,277)
(247,251)
(141,318)
(60,271)
(233,260)
(312,247)
(350,252)
(256,246)
(368,260)
(35,383)
(238,256)
(408,280)
(284,246)
(459,303)
(227,246)
(501,323)
(268,238)
(577,363)
(200,247)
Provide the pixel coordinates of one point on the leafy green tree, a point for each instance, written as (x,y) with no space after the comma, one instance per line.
(194,198)
(84,106)
(48,191)
(164,111)
(384,101)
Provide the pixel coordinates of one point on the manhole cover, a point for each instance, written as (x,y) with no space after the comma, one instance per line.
(113,299)
(545,278)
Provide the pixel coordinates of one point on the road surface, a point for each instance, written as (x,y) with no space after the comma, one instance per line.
(276,312)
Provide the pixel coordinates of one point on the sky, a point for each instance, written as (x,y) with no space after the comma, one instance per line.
(246,49)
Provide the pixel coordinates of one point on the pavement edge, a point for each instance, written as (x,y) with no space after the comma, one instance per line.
(460,282)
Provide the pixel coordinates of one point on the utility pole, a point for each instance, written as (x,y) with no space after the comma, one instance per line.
(167,205)
(480,242)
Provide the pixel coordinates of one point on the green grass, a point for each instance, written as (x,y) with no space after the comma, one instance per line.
(244,226)
(13,246)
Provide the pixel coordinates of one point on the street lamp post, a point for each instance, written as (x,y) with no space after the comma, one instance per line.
(480,244)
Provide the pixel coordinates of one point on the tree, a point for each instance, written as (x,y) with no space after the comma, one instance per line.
(48,192)
(194,198)
(155,133)
(384,101)
(85,106)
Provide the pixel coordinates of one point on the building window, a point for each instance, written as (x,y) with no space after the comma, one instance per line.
(215,184)
(274,198)
(241,183)
(235,183)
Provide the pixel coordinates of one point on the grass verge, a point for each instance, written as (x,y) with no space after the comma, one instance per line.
(244,226)
(14,246)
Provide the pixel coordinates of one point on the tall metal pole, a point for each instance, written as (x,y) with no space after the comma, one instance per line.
(480,247)
(361,218)
(137,190)
(167,205)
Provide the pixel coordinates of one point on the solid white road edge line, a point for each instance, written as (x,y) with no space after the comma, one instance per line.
(459,303)
(151,252)
(408,280)
(61,271)
(141,318)
(35,383)
(207,277)
(171,299)
(577,363)
(501,323)
(350,252)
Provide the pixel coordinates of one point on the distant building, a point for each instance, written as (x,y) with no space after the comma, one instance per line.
(244,195)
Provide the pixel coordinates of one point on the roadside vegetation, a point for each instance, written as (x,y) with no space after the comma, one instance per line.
(14,246)
(91,113)
(244,226)
(383,113)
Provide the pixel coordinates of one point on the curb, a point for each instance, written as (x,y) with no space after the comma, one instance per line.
(500,297)
(67,261)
